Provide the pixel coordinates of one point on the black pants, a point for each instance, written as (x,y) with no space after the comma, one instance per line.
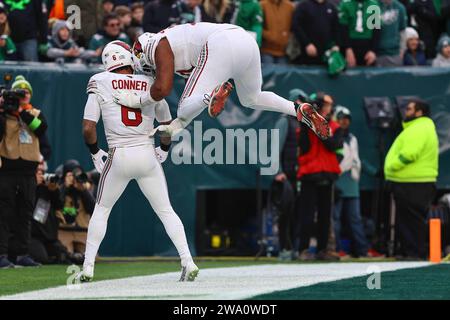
(314,196)
(412,202)
(17,197)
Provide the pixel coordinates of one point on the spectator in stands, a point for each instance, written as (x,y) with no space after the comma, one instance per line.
(425,18)
(108,7)
(186,12)
(157,15)
(411,166)
(111,31)
(63,48)
(20,128)
(414,54)
(443,48)
(359,37)
(315,26)
(7,46)
(137,14)
(91,19)
(277,28)
(78,206)
(249,16)
(135,29)
(124,15)
(347,188)
(393,24)
(28,22)
(217,11)
(318,169)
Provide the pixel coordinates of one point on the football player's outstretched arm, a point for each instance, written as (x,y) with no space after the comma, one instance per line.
(164,61)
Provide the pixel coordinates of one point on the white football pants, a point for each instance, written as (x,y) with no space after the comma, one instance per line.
(123,165)
(229,54)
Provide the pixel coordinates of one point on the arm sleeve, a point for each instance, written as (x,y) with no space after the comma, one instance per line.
(54,53)
(409,152)
(41,20)
(303,139)
(92,109)
(162,111)
(297,26)
(257,25)
(335,142)
(37,124)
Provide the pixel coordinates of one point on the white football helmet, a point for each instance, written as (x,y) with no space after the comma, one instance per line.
(117,54)
(141,63)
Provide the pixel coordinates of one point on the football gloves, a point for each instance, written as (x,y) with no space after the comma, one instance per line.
(97,158)
(127,99)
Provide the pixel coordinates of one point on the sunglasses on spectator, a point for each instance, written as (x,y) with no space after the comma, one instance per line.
(113,25)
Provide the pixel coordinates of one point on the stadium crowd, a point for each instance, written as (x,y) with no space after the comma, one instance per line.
(309,32)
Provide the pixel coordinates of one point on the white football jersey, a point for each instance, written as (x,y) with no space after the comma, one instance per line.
(124,127)
(186,42)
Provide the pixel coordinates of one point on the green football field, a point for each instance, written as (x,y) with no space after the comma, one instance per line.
(236,279)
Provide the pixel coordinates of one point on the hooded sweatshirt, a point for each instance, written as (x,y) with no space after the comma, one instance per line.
(441,61)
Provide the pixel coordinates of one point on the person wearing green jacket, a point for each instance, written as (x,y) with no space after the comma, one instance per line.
(411,166)
(250,17)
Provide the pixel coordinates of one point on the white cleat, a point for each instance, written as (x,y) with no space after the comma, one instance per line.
(189,272)
(86,275)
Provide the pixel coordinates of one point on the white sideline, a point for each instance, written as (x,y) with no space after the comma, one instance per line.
(216,283)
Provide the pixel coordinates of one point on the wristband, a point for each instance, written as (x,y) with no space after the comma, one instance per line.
(35,124)
(165,147)
(93,148)
(146,99)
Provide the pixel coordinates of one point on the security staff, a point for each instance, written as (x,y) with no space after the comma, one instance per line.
(412,168)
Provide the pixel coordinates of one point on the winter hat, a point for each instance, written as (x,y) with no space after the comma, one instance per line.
(58,25)
(342,112)
(443,42)
(21,83)
(295,94)
(3,8)
(411,33)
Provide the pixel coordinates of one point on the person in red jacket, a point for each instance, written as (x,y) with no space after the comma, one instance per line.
(318,169)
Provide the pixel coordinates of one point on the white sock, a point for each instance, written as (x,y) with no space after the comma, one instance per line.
(175,230)
(269,101)
(96,233)
(191,107)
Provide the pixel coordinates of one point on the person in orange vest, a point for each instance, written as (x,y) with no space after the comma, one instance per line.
(318,168)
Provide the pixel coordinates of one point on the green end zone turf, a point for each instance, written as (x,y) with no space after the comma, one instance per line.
(427,283)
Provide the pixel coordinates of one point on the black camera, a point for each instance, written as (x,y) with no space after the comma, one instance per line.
(11,99)
(79,175)
(51,178)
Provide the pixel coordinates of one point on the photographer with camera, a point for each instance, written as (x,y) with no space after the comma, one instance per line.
(21,125)
(78,206)
(45,246)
